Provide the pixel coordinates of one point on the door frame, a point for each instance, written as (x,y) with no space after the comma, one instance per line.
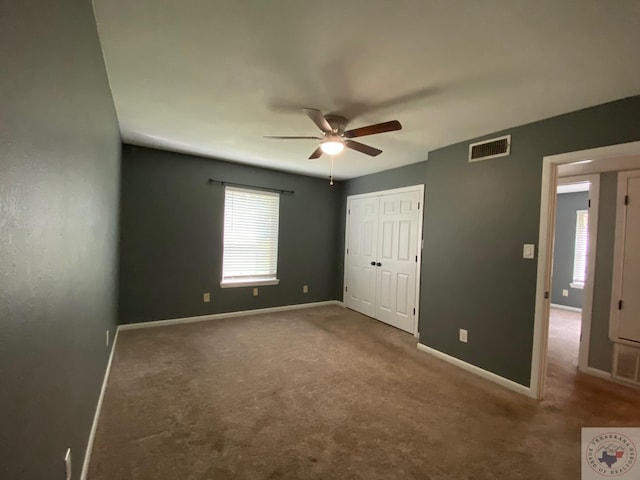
(419,188)
(548,198)
(592,233)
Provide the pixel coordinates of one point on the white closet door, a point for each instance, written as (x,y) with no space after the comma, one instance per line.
(361,255)
(381,261)
(397,259)
(629,314)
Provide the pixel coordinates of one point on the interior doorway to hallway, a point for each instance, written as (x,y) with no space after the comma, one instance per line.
(574,247)
(610,159)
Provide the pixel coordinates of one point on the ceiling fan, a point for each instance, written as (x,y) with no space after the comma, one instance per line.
(334,136)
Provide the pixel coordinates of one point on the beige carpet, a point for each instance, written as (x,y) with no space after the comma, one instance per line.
(326,393)
(564,342)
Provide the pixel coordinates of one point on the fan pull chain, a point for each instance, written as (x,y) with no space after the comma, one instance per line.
(331,173)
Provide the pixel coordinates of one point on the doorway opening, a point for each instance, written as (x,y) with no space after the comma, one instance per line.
(571,302)
(614,158)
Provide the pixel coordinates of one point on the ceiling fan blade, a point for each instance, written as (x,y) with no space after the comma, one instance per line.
(317,153)
(373,129)
(361,147)
(292,138)
(317,117)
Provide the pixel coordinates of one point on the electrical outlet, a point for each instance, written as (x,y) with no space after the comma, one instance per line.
(463,335)
(305,289)
(107,339)
(565,293)
(255,291)
(67,464)
(206,297)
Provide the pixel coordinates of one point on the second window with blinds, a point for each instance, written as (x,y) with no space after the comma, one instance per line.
(250,256)
(581,249)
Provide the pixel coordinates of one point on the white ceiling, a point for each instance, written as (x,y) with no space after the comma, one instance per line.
(211,77)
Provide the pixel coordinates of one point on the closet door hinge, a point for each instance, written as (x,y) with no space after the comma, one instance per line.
(418,205)
(346,289)
(589,203)
(626,199)
(619,304)
(416,258)
(414,311)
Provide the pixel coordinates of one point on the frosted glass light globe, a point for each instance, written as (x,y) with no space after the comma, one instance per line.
(332,147)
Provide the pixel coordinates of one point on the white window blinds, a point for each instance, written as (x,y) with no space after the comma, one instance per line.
(250,235)
(581,248)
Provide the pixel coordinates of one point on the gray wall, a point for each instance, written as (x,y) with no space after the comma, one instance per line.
(59,189)
(476,218)
(171,237)
(564,248)
(600,347)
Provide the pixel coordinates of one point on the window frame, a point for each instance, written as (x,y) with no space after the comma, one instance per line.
(257,279)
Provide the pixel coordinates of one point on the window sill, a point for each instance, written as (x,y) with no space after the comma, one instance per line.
(579,286)
(249,282)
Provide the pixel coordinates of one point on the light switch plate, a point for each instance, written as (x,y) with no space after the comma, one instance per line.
(565,293)
(529,250)
(255,291)
(206,297)
(463,335)
(305,289)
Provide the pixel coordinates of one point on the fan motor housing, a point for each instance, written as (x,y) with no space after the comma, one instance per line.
(337,122)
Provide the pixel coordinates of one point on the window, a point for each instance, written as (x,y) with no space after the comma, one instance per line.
(250,254)
(581,249)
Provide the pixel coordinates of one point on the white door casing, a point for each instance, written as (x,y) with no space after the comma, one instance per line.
(385,285)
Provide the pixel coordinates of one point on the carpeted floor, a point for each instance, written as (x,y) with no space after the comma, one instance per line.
(326,393)
(562,356)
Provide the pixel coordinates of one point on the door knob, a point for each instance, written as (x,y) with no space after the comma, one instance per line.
(378,264)
(373,263)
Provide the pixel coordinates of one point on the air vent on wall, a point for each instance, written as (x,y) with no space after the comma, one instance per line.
(626,363)
(496,147)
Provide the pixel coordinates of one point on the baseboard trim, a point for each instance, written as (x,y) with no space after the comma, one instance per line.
(566,307)
(505,382)
(94,426)
(596,372)
(218,316)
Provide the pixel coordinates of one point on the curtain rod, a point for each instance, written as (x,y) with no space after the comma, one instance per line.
(290,192)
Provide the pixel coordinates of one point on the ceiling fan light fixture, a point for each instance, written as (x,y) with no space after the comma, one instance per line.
(332,147)
(334,137)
